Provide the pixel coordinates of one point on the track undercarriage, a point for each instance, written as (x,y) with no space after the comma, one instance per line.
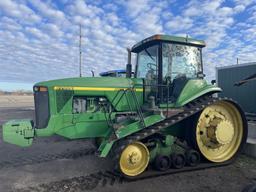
(134,153)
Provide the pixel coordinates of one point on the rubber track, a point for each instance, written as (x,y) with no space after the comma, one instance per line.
(190,109)
(47,157)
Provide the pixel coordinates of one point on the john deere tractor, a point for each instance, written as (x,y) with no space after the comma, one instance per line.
(164,117)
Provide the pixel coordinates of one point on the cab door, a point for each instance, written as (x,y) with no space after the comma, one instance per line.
(147,68)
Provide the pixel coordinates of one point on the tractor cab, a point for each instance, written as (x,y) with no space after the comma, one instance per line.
(166,63)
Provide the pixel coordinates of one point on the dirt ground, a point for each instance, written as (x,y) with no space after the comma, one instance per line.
(56,164)
(11,101)
(229,178)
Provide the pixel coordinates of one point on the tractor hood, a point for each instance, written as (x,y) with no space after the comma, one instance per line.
(108,87)
(92,83)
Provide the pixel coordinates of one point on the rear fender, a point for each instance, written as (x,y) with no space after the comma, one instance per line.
(194,89)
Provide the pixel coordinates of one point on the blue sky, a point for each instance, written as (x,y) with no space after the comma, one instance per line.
(39,39)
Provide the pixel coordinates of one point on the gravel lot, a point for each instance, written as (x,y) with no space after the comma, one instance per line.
(56,164)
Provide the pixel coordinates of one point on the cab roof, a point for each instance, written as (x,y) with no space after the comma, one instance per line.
(166,38)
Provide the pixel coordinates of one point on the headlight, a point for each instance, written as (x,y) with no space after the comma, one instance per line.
(38,88)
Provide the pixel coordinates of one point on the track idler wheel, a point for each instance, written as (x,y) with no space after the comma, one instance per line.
(178,160)
(192,158)
(134,159)
(162,162)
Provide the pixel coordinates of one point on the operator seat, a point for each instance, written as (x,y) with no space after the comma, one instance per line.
(177,86)
(150,82)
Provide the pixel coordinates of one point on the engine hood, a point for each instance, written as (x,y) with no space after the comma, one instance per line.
(93,82)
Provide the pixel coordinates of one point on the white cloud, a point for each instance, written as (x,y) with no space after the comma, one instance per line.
(239,8)
(81,8)
(48,12)
(37,33)
(39,39)
(244,2)
(211,6)
(136,7)
(53,30)
(179,23)
(19,11)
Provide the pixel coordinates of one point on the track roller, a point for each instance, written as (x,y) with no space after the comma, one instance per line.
(192,158)
(162,162)
(178,160)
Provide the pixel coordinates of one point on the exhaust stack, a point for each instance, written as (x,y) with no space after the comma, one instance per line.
(129,65)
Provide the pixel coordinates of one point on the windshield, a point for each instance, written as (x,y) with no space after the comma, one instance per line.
(181,60)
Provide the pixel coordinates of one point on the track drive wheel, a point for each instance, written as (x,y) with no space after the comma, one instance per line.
(134,159)
(162,162)
(221,131)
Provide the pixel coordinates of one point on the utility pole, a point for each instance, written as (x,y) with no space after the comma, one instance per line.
(237,61)
(80,52)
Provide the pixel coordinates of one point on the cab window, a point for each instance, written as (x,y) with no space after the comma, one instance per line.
(181,60)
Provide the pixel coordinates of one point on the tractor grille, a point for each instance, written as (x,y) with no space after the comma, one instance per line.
(42,111)
(62,97)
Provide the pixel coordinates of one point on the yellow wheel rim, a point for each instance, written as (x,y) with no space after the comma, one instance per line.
(134,159)
(219,131)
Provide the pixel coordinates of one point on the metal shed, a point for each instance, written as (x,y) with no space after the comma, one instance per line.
(244,94)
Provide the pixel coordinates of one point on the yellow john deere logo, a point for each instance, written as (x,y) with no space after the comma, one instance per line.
(94,88)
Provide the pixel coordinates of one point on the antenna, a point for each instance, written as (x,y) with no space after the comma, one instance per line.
(80,51)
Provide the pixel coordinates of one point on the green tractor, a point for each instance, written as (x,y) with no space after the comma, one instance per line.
(165,116)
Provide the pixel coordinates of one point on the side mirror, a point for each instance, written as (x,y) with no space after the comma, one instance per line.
(168,80)
(200,75)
